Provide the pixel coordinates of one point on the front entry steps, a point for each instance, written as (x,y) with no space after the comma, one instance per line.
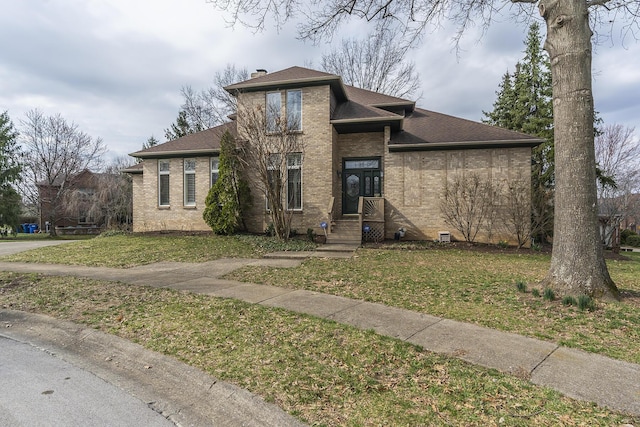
(345,232)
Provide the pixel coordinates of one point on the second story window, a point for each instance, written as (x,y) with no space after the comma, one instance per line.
(294,110)
(274,111)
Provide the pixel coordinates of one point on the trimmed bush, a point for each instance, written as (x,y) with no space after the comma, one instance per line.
(633,240)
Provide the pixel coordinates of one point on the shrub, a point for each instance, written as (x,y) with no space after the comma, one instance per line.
(522,287)
(270,230)
(633,240)
(535,292)
(503,244)
(549,295)
(569,300)
(625,234)
(311,235)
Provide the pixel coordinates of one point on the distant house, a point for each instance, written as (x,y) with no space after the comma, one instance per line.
(371,162)
(84,203)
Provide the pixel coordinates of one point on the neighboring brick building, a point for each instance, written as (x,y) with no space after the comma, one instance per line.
(358,144)
(54,203)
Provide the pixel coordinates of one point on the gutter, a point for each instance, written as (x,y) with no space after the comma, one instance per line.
(455,145)
(175,153)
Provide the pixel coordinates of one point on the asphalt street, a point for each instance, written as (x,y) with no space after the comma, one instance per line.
(39,389)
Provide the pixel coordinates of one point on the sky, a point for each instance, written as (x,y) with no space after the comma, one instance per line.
(116,67)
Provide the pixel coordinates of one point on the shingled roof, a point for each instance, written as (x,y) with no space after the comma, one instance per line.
(357,110)
(199,143)
(428,130)
(291,77)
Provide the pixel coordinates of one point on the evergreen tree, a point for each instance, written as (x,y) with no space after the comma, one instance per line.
(181,127)
(10,201)
(503,112)
(524,104)
(151,142)
(229,195)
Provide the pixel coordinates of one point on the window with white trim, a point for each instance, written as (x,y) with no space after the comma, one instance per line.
(294,181)
(273,175)
(189,182)
(215,169)
(274,111)
(163,183)
(294,110)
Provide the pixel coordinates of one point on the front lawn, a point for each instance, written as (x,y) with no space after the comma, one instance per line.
(325,373)
(128,250)
(476,287)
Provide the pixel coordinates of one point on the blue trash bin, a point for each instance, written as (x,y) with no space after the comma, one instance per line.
(33,228)
(25,227)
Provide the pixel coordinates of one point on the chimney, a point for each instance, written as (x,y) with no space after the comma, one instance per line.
(259,73)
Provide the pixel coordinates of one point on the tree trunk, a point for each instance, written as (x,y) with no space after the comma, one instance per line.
(577,261)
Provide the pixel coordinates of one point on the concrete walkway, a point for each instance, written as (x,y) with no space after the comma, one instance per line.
(575,373)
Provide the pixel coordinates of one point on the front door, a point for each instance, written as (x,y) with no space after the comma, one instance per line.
(360,178)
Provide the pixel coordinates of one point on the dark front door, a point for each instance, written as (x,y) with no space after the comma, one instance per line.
(360,178)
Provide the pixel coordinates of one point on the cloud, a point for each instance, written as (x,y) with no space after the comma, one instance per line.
(116,67)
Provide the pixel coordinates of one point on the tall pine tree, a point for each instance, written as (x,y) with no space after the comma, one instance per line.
(524,104)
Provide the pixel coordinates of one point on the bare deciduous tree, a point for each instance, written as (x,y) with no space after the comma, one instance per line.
(515,215)
(577,262)
(377,63)
(209,107)
(110,200)
(618,156)
(54,151)
(467,204)
(272,155)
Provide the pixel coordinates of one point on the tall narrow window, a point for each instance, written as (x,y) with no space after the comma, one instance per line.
(273,175)
(274,109)
(189,182)
(294,181)
(163,182)
(215,169)
(294,110)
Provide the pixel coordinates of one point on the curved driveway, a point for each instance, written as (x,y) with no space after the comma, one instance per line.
(10,247)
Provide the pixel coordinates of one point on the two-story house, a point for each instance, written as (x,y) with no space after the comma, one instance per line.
(374,159)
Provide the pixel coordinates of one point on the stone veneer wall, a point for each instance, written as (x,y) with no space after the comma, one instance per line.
(414,182)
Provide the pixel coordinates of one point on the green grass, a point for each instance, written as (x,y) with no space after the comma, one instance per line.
(324,373)
(475,287)
(123,251)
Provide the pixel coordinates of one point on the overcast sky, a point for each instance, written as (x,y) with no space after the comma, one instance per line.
(116,67)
